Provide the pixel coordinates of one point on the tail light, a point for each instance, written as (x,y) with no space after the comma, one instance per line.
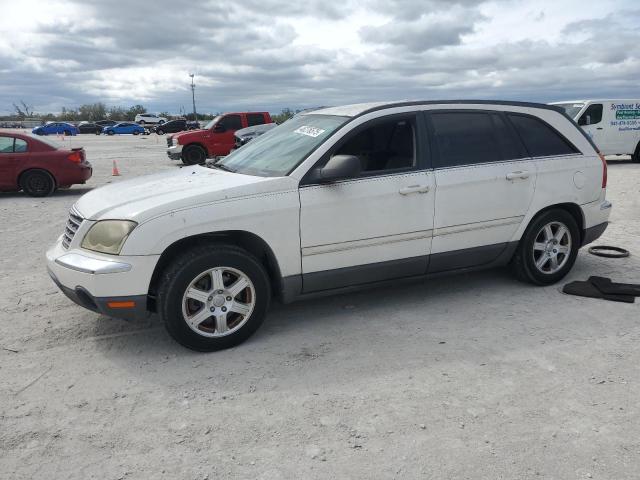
(75,157)
(604,170)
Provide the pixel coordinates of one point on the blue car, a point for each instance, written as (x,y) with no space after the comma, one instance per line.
(123,127)
(56,128)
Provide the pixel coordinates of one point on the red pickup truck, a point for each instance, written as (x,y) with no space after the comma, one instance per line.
(215,140)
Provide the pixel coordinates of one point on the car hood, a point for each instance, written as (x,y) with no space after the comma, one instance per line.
(142,198)
(195,134)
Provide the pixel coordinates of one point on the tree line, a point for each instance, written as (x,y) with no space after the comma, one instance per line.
(100,111)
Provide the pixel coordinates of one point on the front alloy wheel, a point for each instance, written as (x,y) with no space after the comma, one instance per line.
(218,302)
(213,296)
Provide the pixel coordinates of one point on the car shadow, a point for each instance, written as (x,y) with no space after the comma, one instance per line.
(69,192)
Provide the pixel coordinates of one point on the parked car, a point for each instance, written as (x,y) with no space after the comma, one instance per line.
(339,198)
(147,118)
(172,126)
(89,128)
(191,125)
(124,128)
(614,125)
(216,139)
(105,123)
(56,128)
(38,166)
(247,134)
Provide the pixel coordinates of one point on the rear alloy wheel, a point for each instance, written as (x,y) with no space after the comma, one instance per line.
(159,131)
(214,297)
(193,155)
(548,248)
(111,132)
(37,183)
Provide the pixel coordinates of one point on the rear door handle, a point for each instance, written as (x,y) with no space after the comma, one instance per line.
(519,174)
(414,189)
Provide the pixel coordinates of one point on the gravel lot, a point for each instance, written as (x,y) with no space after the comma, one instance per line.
(474,376)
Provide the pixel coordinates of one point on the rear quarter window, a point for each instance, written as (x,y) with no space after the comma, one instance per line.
(539,138)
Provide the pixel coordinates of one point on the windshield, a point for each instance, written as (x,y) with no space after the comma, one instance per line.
(46,140)
(280,150)
(212,122)
(572,109)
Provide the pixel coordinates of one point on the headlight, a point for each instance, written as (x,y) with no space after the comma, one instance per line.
(108,236)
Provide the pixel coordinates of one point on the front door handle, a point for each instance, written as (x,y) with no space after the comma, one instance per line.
(414,189)
(519,174)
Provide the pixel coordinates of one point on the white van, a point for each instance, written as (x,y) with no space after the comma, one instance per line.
(614,125)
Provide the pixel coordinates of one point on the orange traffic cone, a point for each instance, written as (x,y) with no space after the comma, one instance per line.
(115,172)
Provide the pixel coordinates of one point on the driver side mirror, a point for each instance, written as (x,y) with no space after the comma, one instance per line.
(219,128)
(337,168)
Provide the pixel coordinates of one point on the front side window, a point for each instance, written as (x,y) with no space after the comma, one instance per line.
(231,122)
(279,151)
(464,138)
(6,144)
(592,115)
(255,119)
(386,145)
(540,139)
(571,109)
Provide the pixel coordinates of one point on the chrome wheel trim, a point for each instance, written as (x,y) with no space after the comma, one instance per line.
(218,302)
(552,247)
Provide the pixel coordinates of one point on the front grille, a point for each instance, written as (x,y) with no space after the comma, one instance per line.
(70,229)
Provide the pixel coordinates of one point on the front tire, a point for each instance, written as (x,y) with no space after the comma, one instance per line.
(141,122)
(135,132)
(37,183)
(213,297)
(548,248)
(193,155)
(635,158)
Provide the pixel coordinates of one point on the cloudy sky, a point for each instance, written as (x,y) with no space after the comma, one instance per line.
(269,54)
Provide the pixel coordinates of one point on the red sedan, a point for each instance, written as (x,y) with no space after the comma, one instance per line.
(39,166)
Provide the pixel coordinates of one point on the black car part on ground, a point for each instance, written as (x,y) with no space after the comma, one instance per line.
(604,288)
(604,251)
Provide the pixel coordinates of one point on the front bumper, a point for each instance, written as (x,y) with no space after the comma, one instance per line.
(116,286)
(174,152)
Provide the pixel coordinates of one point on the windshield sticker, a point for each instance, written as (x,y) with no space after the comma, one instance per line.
(309,131)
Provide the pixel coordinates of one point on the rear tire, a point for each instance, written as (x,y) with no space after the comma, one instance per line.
(141,122)
(37,183)
(159,131)
(198,303)
(111,132)
(548,248)
(193,155)
(135,132)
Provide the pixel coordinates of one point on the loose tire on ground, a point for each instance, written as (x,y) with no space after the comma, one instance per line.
(193,155)
(177,297)
(37,183)
(538,244)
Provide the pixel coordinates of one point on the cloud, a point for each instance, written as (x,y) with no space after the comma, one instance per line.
(270,54)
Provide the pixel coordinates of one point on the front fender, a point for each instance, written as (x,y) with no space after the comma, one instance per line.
(274,217)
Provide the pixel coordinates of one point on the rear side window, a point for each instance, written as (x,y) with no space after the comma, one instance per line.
(20,146)
(231,122)
(255,119)
(592,115)
(464,138)
(540,139)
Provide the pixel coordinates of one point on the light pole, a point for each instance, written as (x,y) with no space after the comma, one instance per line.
(193,97)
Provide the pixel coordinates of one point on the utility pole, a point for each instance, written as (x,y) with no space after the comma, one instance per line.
(193,98)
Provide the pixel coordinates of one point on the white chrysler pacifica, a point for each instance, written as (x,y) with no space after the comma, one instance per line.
(334,199)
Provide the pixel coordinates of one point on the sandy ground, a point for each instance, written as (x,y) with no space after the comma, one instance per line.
(468,377)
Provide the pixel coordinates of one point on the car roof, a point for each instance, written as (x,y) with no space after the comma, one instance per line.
(358,109)
(596,100)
